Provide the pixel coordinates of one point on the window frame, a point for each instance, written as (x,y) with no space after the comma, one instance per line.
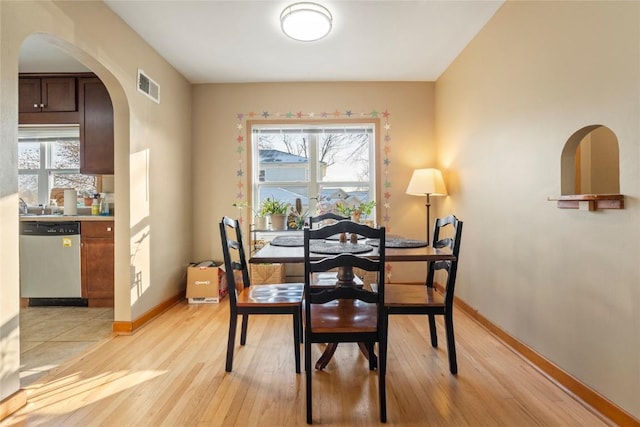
(45,173)
(253,183)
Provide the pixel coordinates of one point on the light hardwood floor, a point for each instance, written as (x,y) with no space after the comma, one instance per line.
(171,373)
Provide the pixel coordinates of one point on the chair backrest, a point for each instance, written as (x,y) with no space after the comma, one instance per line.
(330,262)
(234,257)
(447,233)
(322,217)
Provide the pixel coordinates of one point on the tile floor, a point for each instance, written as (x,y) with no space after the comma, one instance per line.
(49,336)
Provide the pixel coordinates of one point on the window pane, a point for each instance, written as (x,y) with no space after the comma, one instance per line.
(344,157)
(28,188)
(65,154)
(82,183)
(29,155)
(283,157)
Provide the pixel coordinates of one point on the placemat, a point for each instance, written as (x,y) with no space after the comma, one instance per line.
(333,248)
(290,241)
(399,243)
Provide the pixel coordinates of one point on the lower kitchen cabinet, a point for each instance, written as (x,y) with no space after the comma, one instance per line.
(97,262)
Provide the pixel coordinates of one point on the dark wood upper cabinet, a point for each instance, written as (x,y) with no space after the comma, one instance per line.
(47,94)
(96,127)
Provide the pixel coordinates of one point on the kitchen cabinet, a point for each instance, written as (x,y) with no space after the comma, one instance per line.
(96,127)
(97,262)
(47,94)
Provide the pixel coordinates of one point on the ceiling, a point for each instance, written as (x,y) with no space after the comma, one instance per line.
(241,41)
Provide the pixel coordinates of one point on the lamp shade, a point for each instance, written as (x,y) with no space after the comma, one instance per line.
(426,181)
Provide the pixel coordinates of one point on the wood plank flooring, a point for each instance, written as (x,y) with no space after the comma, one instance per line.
(171,373)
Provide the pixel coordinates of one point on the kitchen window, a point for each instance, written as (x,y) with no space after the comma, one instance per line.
(49,157)
(320,164)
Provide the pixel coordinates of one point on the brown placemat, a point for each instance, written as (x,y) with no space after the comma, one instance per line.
(399,243)
(334,248)
(290,241)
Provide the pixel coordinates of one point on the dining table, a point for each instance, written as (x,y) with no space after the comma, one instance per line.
(290,249)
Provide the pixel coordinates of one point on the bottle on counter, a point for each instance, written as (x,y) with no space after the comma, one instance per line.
(95,206)
(104,205)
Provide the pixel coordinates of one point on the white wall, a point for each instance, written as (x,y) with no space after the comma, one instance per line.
(152,159)
(564,282)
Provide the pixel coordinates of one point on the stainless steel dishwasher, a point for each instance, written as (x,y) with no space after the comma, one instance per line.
(50,261)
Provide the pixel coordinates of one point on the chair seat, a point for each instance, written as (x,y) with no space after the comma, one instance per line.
(344,316)
(276,295)
(412,296)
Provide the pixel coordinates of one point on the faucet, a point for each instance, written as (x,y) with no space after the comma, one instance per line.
(23,208)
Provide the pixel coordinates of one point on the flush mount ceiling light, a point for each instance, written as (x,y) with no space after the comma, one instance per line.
(306,21)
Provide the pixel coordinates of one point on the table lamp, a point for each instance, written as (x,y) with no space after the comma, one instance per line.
(427,182)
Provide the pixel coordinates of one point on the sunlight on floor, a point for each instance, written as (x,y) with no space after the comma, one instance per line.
(50,336)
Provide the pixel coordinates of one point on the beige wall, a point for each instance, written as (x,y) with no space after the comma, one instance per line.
(215,160)
(152,159)
(564,282)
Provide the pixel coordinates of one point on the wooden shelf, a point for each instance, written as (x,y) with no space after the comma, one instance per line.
(589,202)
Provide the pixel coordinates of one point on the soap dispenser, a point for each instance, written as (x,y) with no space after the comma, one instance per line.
(95,206)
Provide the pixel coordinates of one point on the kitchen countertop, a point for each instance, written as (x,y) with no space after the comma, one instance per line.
(62,218)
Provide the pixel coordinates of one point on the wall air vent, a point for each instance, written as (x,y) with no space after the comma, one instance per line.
(147,86)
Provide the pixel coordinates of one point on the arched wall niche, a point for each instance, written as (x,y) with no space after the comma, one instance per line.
(590,170)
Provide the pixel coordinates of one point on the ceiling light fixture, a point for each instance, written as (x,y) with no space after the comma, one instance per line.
(306,21)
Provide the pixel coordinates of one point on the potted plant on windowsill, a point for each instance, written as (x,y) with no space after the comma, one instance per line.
(259,219)
(356,212)
(277,212)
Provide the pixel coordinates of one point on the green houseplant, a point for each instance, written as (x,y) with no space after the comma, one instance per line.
(259,218)
(355,212)
(277,211)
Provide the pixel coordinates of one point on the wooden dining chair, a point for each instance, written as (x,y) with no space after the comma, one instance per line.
(417,299)
(346,312)
(245,299)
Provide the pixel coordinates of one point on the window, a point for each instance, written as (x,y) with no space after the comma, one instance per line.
(320,164)
(49,157)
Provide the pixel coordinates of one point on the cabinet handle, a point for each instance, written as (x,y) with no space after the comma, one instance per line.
(108,228)
(42,105)
(35,106)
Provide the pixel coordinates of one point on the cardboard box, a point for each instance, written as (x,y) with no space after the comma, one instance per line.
(205,284)
(263,274)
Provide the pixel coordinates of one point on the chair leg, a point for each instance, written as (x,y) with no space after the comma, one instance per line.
(296,339)
(382,370)
(307,368)
(451,343)
(432,330)
(373,360)
(233,322)
(300,323)
(243,333)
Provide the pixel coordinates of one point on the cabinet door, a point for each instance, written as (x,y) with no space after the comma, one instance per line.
(58,94)
(96,128)
(97,257)
(29,95)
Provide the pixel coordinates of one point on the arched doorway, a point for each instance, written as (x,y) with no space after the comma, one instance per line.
(65,331)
